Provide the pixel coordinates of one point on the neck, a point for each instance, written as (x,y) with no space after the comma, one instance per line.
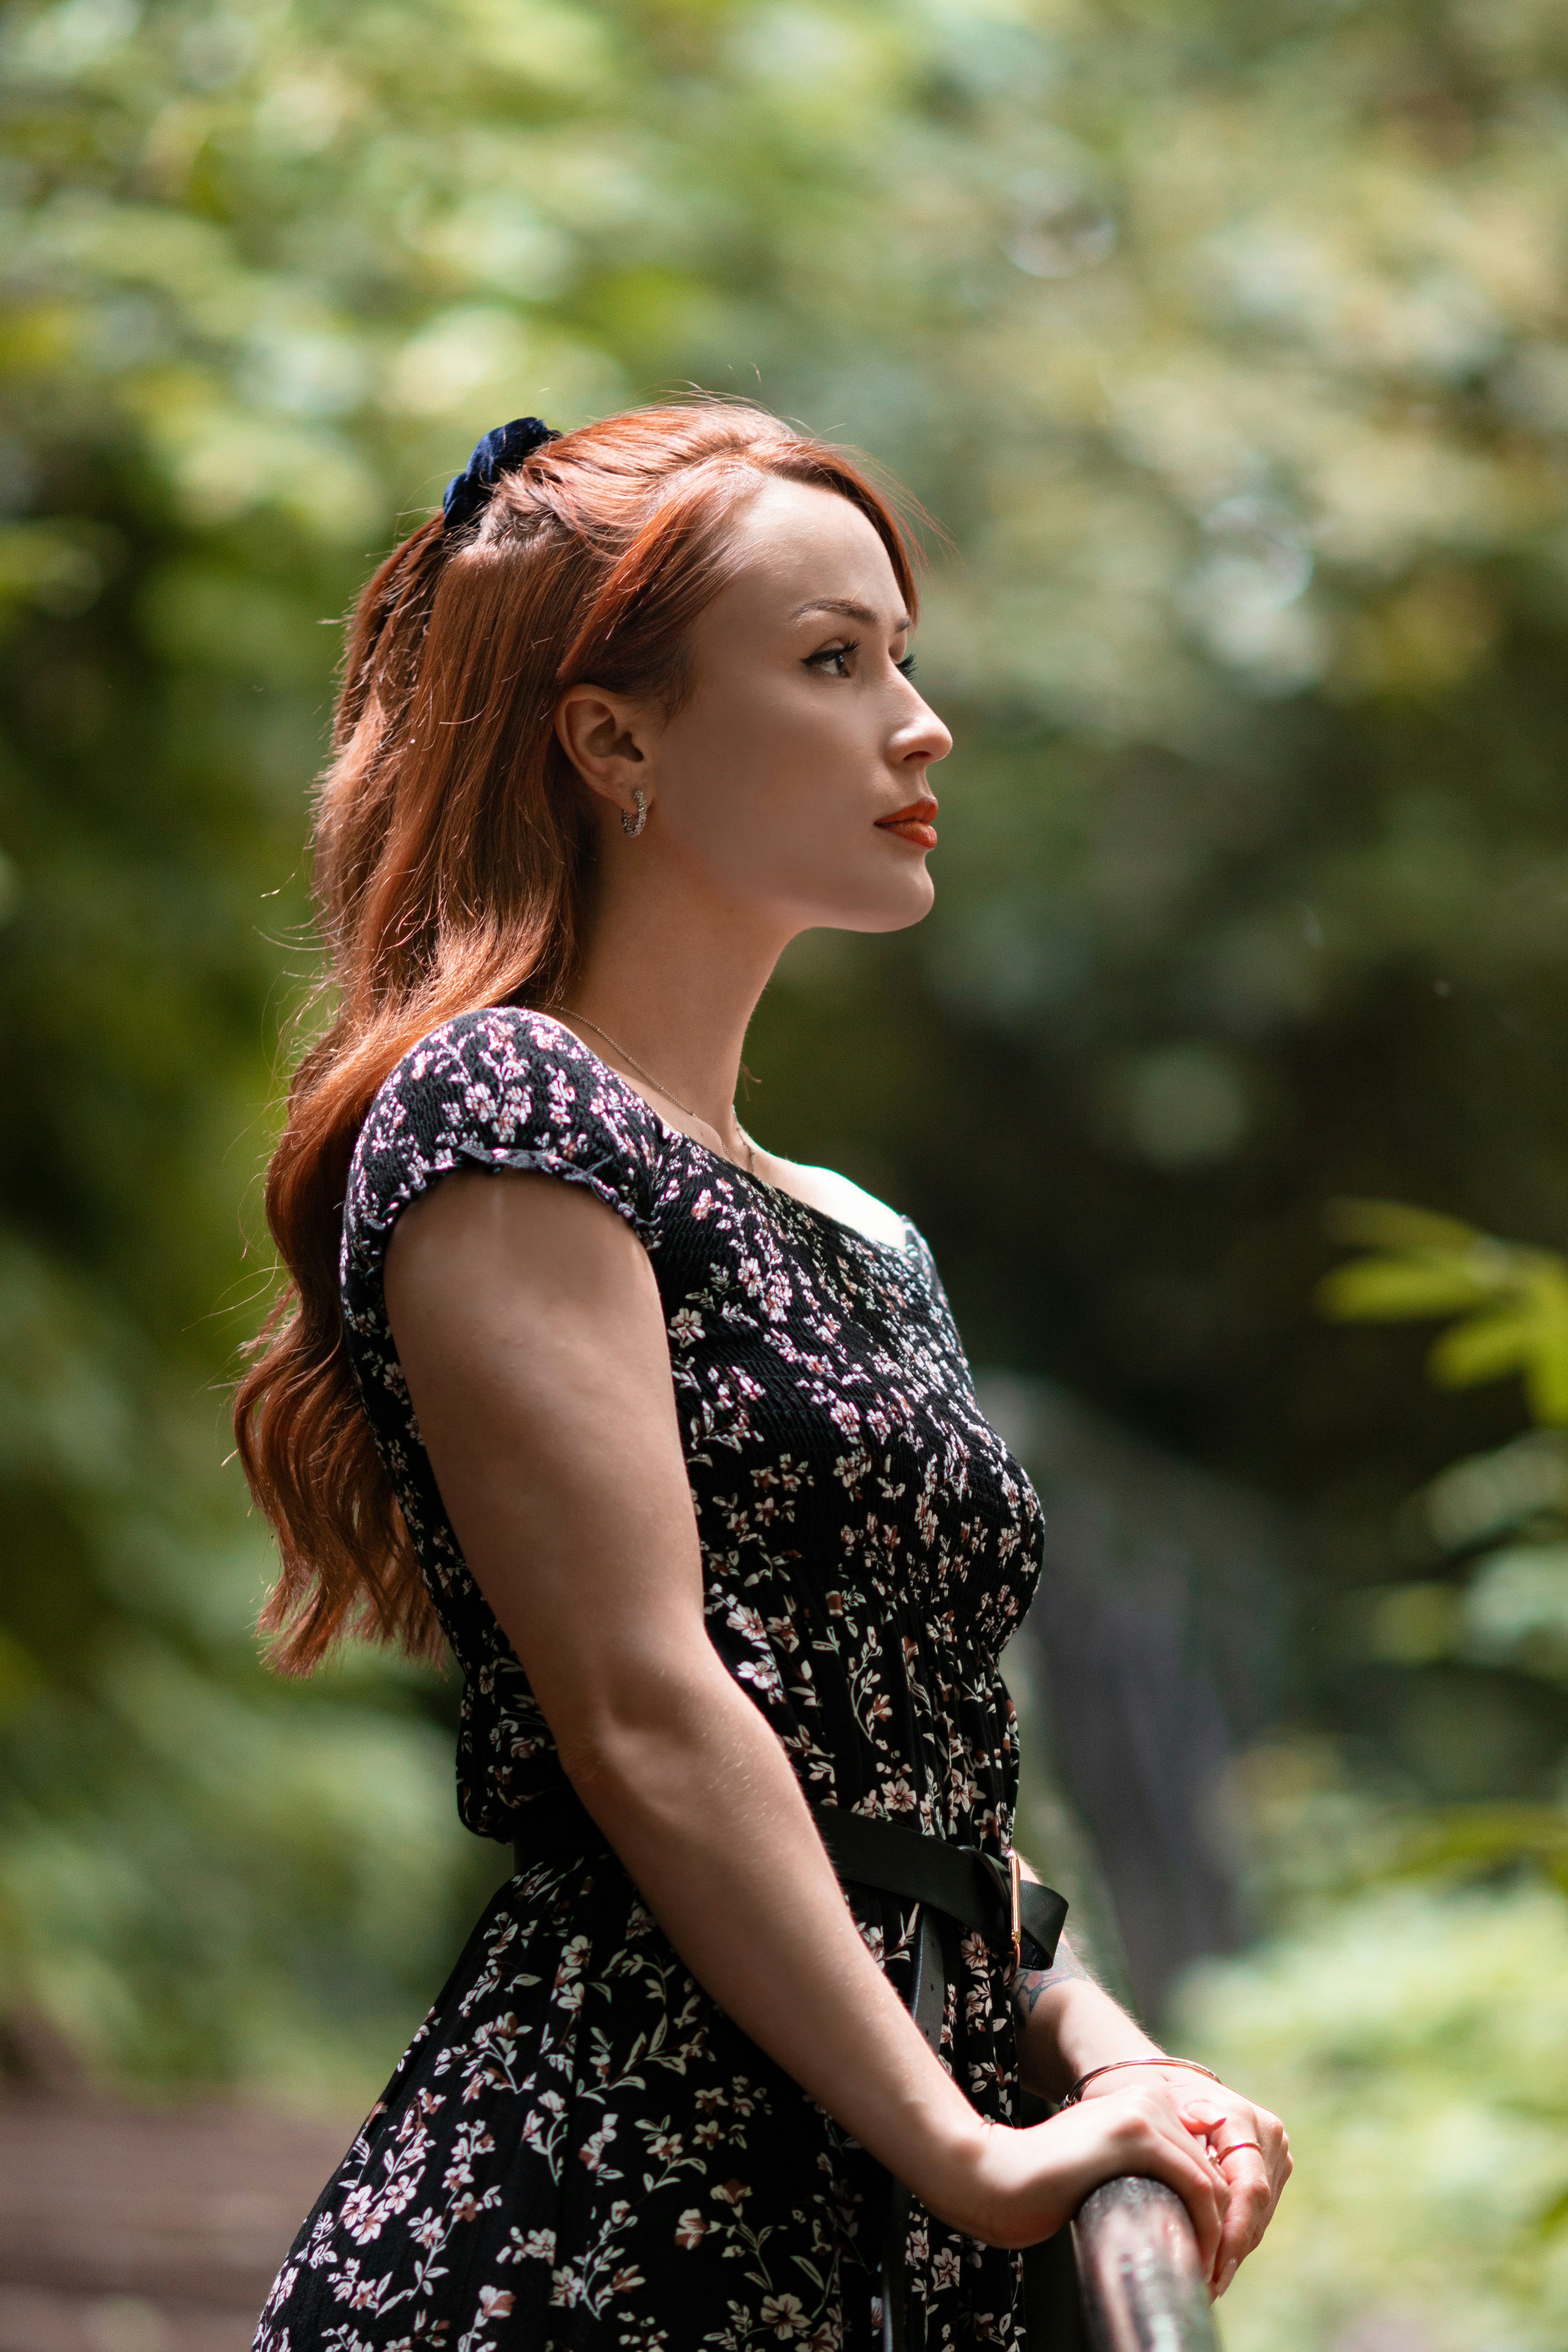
(677,997)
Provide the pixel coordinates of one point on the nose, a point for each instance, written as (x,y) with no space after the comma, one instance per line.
(921,739)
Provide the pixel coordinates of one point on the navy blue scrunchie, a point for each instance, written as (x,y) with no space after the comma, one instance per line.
(502,451)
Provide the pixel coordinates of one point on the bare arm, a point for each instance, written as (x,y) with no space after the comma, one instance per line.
(530,1331)
(1069,2023)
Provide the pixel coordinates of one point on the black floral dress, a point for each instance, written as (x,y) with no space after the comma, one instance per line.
(579,2150)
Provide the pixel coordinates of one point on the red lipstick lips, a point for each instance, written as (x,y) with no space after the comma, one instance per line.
(912,824)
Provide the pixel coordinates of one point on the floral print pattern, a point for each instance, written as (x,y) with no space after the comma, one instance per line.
(579,2152)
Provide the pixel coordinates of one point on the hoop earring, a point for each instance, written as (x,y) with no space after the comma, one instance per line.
(632,825)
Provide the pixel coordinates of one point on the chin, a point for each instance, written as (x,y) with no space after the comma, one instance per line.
(886,910)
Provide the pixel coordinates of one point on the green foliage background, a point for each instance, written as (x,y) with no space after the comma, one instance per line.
(1227,343)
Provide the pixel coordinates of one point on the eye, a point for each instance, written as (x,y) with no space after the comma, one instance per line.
(906,669)
(832,659)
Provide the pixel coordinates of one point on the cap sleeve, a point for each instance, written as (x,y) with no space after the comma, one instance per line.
(502,1088)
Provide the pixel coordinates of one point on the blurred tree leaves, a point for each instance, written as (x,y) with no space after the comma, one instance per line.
(1511,1304)
(1414,2040)
(1227,343)
(1496,1522)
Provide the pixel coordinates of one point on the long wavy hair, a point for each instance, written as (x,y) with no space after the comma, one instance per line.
(452,855)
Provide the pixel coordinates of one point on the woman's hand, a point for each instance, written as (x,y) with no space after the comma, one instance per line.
(1025,2185)
(1245,2145)
(1069,2025)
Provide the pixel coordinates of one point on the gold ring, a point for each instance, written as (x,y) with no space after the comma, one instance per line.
(1221,2153)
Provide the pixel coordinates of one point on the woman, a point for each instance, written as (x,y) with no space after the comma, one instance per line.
(674,1442)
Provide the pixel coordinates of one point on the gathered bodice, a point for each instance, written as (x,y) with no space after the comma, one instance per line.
(868,1544)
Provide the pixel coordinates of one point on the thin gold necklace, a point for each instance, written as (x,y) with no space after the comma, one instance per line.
(658,1083)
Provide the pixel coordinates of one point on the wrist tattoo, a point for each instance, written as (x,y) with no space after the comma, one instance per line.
(1029,1984)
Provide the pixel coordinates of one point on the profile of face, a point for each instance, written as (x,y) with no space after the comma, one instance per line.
(790,789)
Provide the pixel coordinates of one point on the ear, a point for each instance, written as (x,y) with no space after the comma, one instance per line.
(609,738)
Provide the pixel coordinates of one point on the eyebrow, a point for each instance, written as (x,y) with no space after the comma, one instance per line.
(851,611)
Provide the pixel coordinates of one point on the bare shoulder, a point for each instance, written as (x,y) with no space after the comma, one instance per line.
(482,1245)
(837,1197)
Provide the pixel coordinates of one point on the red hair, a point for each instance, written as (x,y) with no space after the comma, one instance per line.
(452,851)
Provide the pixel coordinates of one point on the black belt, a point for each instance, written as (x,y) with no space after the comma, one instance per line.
(978,1891)
(971,1886)
(974,1888)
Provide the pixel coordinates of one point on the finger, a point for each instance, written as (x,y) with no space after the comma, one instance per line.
(1206,2194)
(1240,2121)
(1256,2175)
(1246,2215)
(1272,2154)
(1233,2118)
(1276,2150)
(1170,2154)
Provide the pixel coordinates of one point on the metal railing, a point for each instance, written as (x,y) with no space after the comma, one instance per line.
(1138,2275)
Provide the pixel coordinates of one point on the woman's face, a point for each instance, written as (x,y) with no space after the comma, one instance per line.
(791,782)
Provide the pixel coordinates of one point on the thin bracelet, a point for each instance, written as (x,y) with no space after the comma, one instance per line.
(1082,2086)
